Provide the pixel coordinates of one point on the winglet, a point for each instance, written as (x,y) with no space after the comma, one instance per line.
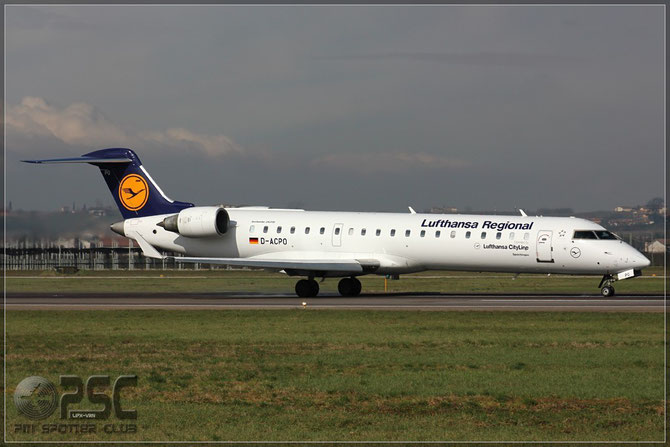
(411,210)
(523,213)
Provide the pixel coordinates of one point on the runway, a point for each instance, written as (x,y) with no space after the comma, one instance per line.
(395,301)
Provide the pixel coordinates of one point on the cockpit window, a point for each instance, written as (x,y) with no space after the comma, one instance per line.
(584,235)
(598,234)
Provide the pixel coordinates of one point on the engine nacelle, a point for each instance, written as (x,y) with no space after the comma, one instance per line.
(198,221)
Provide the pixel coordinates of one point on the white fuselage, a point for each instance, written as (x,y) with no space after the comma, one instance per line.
(404,243)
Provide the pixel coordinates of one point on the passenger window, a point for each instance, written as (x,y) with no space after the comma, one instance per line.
(337,231)
(498,235)
(306,230)
(423,233)
(392,233)
(437,233)
(363,231)
(467,235)
(351,231)
(265,229)
(252,229)
(526,236)
(378,232)
(278,230)
(322,230)
(292,230)
(511,236)
(483,234)
(453,234)
(407,233)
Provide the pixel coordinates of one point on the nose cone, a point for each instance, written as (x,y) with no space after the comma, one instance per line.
(118,227)
(637,259)
(641,261)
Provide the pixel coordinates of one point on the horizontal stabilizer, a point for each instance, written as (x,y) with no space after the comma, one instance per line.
(83,159)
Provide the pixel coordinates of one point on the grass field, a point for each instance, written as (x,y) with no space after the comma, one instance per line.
(356,375)
(259,281)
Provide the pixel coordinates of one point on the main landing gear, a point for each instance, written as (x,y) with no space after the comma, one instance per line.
(349,287)
(606,286)
(308,288)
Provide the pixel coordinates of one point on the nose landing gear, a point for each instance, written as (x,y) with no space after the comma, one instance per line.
(606,286)
(607,291)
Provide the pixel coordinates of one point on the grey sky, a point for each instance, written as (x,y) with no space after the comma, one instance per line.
(342,107)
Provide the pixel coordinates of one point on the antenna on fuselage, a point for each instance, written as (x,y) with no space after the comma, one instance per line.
(411,210)
(523,213)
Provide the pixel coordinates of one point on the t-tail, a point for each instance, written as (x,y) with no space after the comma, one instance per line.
(134,191)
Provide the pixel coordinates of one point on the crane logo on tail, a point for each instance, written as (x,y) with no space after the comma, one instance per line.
(133,192)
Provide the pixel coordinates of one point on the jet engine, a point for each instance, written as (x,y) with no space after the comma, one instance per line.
(198,221)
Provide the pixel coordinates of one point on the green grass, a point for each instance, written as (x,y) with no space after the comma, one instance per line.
(356,375)
(259,281)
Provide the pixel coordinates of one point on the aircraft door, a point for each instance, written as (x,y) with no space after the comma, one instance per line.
(337,235)
(543,246)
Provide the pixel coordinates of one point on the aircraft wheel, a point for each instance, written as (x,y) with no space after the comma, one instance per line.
(346,286)
(349,287)
(303,288)
(313,287)
(607,291)
(357,286)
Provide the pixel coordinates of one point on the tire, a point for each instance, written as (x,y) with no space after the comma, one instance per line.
(357,286)
(346,287)
(607,291)
(303,288)
(313,287)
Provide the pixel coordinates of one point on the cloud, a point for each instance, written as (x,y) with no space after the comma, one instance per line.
(78,123)
(387,161)
(512,59)
(212,144)
(83,125)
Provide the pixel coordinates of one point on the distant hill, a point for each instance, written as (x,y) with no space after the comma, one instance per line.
(52,225)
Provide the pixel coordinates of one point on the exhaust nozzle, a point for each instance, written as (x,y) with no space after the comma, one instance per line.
(170,223)
(118,228)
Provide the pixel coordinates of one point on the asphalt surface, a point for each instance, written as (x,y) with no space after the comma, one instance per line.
(404,301)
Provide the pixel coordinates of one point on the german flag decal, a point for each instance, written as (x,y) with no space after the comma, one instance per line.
(253,240)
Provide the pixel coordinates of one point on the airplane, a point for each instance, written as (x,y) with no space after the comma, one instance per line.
(346,245)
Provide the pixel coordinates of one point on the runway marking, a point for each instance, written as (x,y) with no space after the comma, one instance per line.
(333,306)
(393,296)
(577,300)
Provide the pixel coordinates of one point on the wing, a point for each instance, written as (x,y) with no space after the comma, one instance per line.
(316,265)
(298,265)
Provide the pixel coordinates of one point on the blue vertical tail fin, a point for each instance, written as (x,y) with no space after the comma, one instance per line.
(134,191)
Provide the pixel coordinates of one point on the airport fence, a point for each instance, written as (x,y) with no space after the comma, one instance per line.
(27,256)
